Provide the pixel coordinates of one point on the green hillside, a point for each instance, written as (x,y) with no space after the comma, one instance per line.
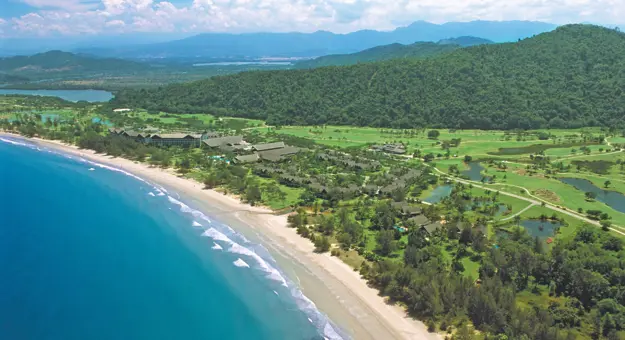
(573,76)
(465,41)
(394,51)
(58,63)
(380,53)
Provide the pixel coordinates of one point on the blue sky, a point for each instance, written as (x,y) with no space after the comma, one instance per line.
(40,18)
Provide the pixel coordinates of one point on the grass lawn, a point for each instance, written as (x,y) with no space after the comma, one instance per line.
(292,195)
(471,268)
(564,195)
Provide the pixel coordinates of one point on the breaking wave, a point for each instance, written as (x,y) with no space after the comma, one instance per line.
(240,263)
(261,257)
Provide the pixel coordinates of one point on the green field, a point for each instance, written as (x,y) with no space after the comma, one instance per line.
(564,146)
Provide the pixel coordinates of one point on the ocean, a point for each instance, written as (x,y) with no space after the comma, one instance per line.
(88,251)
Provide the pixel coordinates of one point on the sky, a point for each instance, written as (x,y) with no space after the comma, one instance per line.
(41,18)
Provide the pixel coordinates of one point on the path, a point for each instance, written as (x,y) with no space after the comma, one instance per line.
(534,200)
(519,213)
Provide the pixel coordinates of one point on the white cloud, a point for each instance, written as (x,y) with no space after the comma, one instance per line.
(69,5)
(79,17)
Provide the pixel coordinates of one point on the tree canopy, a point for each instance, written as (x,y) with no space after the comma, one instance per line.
(571,77)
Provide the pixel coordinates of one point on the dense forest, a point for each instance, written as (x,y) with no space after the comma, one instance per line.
(380,53)
(571,77)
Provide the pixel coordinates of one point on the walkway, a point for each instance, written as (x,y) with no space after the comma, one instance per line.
(534,200)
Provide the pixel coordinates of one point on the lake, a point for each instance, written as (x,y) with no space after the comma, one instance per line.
(613,199)
(69,95)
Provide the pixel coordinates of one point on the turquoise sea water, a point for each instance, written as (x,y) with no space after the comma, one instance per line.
(91,252)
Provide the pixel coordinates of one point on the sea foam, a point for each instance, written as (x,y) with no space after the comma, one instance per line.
(240,263)
(306,305)
(216,246)
(151,194)
(196,224)
(320,321)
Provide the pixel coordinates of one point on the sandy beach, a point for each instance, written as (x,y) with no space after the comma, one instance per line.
(333,286)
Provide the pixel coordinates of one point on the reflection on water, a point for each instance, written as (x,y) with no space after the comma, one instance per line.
(535,228)
(439,193)
(613,199)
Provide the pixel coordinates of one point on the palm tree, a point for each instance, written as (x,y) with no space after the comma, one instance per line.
(517,220)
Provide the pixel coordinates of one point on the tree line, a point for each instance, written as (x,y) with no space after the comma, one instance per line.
(568,78)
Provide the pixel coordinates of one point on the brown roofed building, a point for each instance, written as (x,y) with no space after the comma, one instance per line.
(432,227)
(277,155)
(223,141)
(419,220)
(253,158)
(268,146)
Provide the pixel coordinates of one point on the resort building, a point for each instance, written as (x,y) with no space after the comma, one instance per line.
(245,159)
(181,139)
(268,146)
(165,139)
(226,143)
(397,149)
(276,155)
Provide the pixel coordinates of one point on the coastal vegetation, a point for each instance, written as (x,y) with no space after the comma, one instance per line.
(568,78)
(466,263)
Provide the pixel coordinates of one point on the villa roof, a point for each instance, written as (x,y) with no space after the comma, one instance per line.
(406,208)
(212,134)
(432,227)
(277,154)
(268,146)
(419,220)
(131,133)
(247,158)
(215,142)
(176,136)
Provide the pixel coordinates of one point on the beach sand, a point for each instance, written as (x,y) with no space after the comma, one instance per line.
(333,286)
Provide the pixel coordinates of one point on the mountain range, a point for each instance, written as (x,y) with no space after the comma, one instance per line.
(571,77)
(53,64)
(394,51)
(258,45)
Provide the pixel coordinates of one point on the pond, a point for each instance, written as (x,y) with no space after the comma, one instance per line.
(69,95)
(474,172)
(534,148)
(536,228)
(439,193)
(613,199)
(98,120)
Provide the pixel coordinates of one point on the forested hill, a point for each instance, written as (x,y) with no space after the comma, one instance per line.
(573,76)
(58,63)
(394,51)
(465,41)
(386,52)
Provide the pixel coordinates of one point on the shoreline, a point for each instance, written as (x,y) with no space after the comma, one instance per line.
(336,289)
